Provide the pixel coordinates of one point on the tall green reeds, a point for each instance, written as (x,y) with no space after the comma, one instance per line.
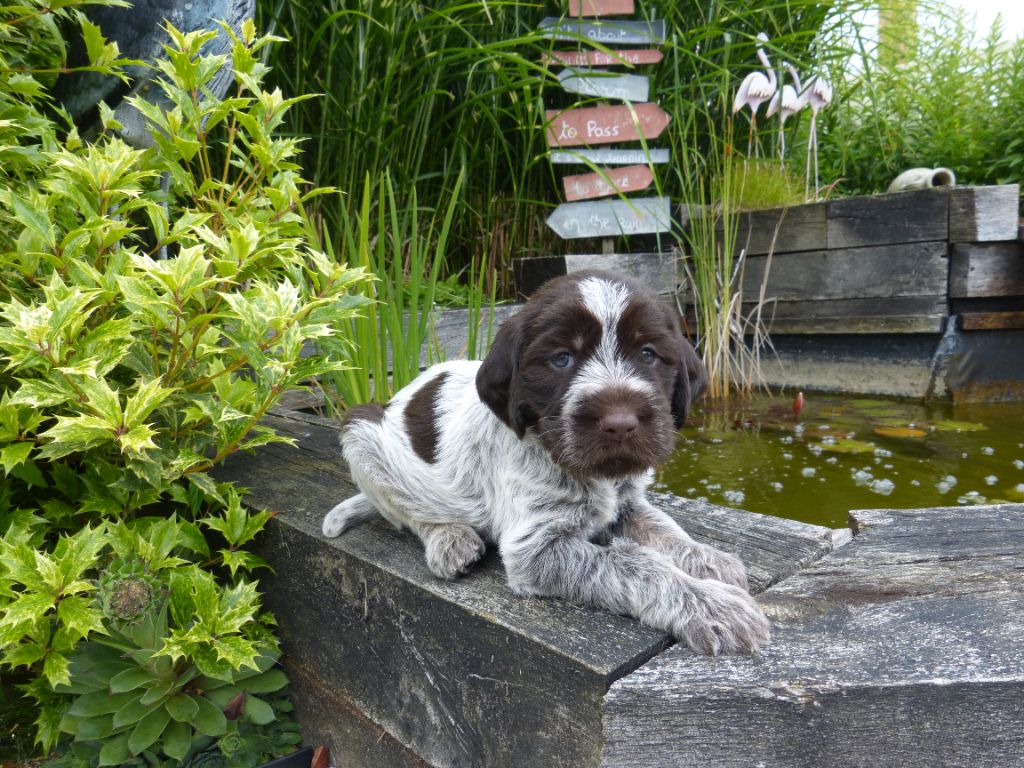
(417,94)
(730,322)
(422,92)
(404,247)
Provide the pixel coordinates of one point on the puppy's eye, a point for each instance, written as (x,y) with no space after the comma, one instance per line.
(563,359)
(648,355)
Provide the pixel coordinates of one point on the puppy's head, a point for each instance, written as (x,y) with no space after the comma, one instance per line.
(597,367)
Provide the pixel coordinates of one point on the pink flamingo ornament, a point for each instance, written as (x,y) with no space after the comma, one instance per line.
(756,89)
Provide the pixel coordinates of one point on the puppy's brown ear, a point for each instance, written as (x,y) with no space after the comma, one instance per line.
(691,380)
(497,376)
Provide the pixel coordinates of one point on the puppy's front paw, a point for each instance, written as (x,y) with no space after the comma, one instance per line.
(703,562)
(725,620)
(452,549)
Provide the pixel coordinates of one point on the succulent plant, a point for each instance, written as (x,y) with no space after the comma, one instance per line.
(127,592)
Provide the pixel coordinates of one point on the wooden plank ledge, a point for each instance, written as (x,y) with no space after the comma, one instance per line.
(900,649)
(451,673)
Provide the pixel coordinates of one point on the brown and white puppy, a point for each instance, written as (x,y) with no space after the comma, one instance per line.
(546,449)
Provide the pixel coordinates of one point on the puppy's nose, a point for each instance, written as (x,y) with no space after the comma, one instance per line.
(619,424)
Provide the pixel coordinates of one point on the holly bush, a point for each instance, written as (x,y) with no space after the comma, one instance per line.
(129,603)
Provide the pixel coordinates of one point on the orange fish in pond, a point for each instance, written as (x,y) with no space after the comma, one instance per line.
(798,403)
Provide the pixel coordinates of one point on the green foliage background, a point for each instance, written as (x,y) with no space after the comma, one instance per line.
(424,94)
(129,601)
(126,578)
(955,99)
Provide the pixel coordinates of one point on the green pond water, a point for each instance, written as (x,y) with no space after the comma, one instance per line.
(842,453)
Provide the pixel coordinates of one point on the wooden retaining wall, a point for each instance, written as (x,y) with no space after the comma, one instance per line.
(886,273)
(898,648)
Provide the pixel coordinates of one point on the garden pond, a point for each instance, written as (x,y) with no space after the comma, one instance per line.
(843,452)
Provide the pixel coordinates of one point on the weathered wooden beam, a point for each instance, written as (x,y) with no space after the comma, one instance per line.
(451,330)
(453,673)
(912,314)
(892,364)
(906,217)
(991,321)
(899,649)
(884,271)
(660,270)
(781,230)
(982,214)
(981,270)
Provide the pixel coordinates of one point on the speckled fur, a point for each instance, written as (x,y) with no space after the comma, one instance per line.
(524,455)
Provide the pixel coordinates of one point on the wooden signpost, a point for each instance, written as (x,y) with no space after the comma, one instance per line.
(611,218)
(600,7)
(621,57)
(632,178)
(588,82)
(609,156)
(610,32)
(586,126)
(573,132)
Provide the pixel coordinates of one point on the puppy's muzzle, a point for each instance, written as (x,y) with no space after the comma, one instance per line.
(618,424)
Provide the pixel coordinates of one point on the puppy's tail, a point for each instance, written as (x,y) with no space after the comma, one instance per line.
(346,514)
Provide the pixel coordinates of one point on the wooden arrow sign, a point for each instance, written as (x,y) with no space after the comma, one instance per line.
(600,7)
(590,83)
(610,218)
(609,156)
(586,126)
(606,32)
(624,57)
(610,181)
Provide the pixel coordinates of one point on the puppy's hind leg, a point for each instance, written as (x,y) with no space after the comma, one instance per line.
(347,513)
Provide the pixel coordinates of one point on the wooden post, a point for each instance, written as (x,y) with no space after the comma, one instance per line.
(573,132)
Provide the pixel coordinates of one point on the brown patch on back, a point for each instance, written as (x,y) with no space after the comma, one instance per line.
(421,419)
(372,412)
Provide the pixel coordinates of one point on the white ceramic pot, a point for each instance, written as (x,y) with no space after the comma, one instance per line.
(923,178)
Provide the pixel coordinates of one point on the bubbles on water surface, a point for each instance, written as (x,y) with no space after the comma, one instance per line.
(908,454)
(862,477)
(734,497)
(882,486)
(971,497)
